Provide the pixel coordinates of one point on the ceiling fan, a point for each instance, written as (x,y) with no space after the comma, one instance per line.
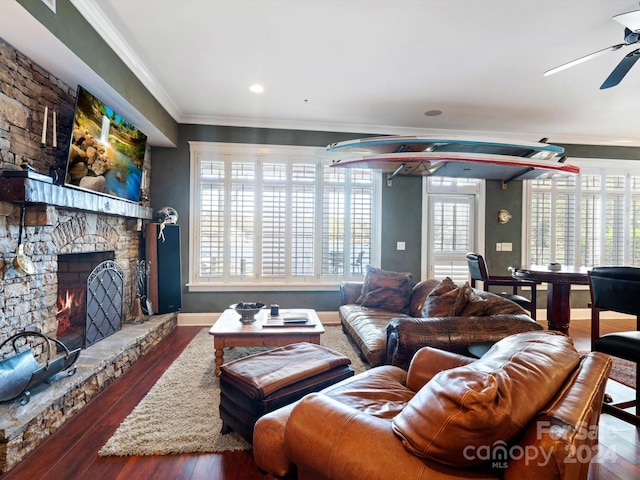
(631,22)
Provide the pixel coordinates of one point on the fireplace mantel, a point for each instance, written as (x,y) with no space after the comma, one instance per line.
(35,191)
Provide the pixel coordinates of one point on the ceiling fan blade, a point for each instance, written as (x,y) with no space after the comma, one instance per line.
(584,59)
(621,70)
(631,20)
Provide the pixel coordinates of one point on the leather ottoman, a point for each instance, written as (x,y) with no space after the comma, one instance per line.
(260,383)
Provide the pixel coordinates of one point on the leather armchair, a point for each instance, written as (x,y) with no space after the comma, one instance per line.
(354,429)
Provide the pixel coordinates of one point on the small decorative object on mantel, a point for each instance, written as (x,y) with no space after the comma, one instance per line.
(144,187)
(55,131)
(554,266)
(43,139)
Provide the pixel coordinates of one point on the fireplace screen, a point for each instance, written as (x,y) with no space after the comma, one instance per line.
(105,299)
(93,309)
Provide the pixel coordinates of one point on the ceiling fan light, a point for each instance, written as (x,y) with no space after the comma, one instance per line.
(631,20)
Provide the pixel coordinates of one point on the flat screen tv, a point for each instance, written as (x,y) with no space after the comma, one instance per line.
(106,153)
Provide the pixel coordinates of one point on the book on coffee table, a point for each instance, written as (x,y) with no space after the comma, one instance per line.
(288,319)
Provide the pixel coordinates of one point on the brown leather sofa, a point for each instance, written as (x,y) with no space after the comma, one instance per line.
(393,336)
(529,408)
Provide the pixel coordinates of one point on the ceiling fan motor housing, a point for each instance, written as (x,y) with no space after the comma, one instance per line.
(630,36)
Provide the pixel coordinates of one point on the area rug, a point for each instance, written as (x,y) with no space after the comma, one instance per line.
(623,371)
(180,413)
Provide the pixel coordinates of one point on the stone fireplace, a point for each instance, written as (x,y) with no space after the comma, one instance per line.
(68,235)
(82,240)
(57,220)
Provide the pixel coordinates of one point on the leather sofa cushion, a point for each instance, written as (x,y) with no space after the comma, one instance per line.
(446,300)
(486,403)
(387,290)
(367,327)
(380,392)
(419,294)
(259,375)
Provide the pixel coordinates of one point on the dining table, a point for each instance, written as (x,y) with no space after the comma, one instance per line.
(559,278)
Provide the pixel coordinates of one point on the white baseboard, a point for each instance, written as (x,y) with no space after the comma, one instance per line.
(197,319)
(332,318)
(207,319)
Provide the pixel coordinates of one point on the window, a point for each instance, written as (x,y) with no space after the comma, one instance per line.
(586,220)
(452,204)
(273,215)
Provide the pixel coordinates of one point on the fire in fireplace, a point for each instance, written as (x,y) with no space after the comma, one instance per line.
(90,298)
(70,309)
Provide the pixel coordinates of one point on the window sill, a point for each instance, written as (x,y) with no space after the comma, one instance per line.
(263,287)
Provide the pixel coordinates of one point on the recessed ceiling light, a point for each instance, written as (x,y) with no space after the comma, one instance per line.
(433,113)
(256,88)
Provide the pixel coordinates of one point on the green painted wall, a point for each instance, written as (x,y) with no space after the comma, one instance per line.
(402,222)
(401,211)
(509,199)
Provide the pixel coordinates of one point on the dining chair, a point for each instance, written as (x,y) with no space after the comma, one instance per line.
(478,272)
(617,289)
(601,279)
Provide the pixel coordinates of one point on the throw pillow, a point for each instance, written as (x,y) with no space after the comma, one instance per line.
(387,290)
(476,306)
(446,300)
(419,294)
(464,412)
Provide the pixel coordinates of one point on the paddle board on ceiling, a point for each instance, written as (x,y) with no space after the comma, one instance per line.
(457,157)
(448,143)
(459,165)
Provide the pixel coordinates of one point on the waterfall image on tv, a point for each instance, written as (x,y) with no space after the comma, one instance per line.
(106,154)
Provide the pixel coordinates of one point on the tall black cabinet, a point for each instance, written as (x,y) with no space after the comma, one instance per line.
(162,247)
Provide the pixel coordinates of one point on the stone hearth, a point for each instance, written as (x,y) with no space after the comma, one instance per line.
(23,427)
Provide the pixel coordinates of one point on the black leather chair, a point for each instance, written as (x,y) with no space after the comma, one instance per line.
(607,281)
(478,272)
(617,289)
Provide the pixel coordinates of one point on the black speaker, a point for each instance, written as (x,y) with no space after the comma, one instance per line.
(165,281)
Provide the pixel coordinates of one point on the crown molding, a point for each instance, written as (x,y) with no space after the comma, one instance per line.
(394,130)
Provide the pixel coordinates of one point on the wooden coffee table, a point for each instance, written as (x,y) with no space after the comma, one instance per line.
(228,331)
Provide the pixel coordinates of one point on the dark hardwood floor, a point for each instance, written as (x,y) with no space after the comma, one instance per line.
(71,453)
